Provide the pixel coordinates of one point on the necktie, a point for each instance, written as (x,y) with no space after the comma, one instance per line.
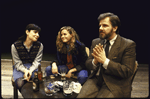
(100,78)
(107,48)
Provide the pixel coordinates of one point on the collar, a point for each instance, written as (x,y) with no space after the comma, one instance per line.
(27,47)
(112,40)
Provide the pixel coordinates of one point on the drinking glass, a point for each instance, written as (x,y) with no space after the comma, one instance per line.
(67,88)
(50,88)
(43,75)
(63,71)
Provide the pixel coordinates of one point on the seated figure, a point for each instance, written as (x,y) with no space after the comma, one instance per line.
(27,54)
(71,54)
(112,59)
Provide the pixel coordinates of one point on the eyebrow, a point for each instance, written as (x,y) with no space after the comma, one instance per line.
(102,24)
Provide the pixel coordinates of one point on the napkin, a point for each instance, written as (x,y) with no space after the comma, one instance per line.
(60,83)
(76,87)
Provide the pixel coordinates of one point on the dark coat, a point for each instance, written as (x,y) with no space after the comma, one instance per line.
(79,57)
(121,67)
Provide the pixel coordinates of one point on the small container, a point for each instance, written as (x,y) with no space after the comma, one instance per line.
(50,88)
(39,73)
(63,71)
(35,83)
(44,75)
(67,88)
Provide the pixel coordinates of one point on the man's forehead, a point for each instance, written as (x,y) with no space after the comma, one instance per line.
(105,20)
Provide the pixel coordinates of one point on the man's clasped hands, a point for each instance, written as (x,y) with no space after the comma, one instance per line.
(99,54)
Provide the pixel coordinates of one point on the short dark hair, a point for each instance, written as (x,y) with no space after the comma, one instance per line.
(33,27)
(114,19)
(29,27)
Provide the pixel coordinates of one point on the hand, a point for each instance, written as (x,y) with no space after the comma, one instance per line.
(54,68)
(68,75)
(30,74)
(26,74)
(99,53)
(95,61)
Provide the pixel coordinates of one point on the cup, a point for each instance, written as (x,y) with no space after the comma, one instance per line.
(50,88)
(67,88)
(63,71)
(44,75)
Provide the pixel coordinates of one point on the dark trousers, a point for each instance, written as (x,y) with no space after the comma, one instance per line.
(18,76)
(90,89)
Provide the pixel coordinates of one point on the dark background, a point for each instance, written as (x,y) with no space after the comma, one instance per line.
(82,15)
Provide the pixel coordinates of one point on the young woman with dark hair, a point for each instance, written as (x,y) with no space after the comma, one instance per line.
(27,54)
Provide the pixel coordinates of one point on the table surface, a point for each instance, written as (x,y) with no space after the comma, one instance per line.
(27,91)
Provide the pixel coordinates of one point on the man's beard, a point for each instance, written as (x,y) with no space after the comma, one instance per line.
(106,36)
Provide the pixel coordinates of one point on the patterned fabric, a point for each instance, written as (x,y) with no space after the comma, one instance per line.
(24,55)
(69,61)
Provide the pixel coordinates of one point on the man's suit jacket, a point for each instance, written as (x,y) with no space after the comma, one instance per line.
(121,67)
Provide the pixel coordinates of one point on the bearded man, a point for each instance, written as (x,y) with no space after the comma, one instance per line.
(112,59)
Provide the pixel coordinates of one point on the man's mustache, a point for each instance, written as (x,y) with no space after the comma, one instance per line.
(101,31)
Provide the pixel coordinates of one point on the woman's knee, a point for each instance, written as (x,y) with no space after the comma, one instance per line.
(19,83)
(82,76)
(83,73)
(48,70)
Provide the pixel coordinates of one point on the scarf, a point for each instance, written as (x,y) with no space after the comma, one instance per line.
(69,60)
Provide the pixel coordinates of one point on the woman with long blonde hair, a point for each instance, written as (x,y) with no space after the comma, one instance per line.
(71,54)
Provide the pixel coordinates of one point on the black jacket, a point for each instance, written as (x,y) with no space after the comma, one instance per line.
(79,57)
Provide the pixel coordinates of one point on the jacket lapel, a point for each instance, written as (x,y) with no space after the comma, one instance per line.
(114,49)
(102,42)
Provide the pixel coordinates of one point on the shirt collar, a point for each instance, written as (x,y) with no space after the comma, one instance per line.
(112,40)
(27,47)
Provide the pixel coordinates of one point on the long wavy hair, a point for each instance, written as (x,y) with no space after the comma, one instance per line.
(61,46)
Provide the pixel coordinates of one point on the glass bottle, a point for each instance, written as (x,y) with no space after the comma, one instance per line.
(35,84)
(39,73)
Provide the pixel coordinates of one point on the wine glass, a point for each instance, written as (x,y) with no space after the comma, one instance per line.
(63,71)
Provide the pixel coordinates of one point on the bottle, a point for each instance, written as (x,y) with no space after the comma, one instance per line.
(35,84)
(39,73)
